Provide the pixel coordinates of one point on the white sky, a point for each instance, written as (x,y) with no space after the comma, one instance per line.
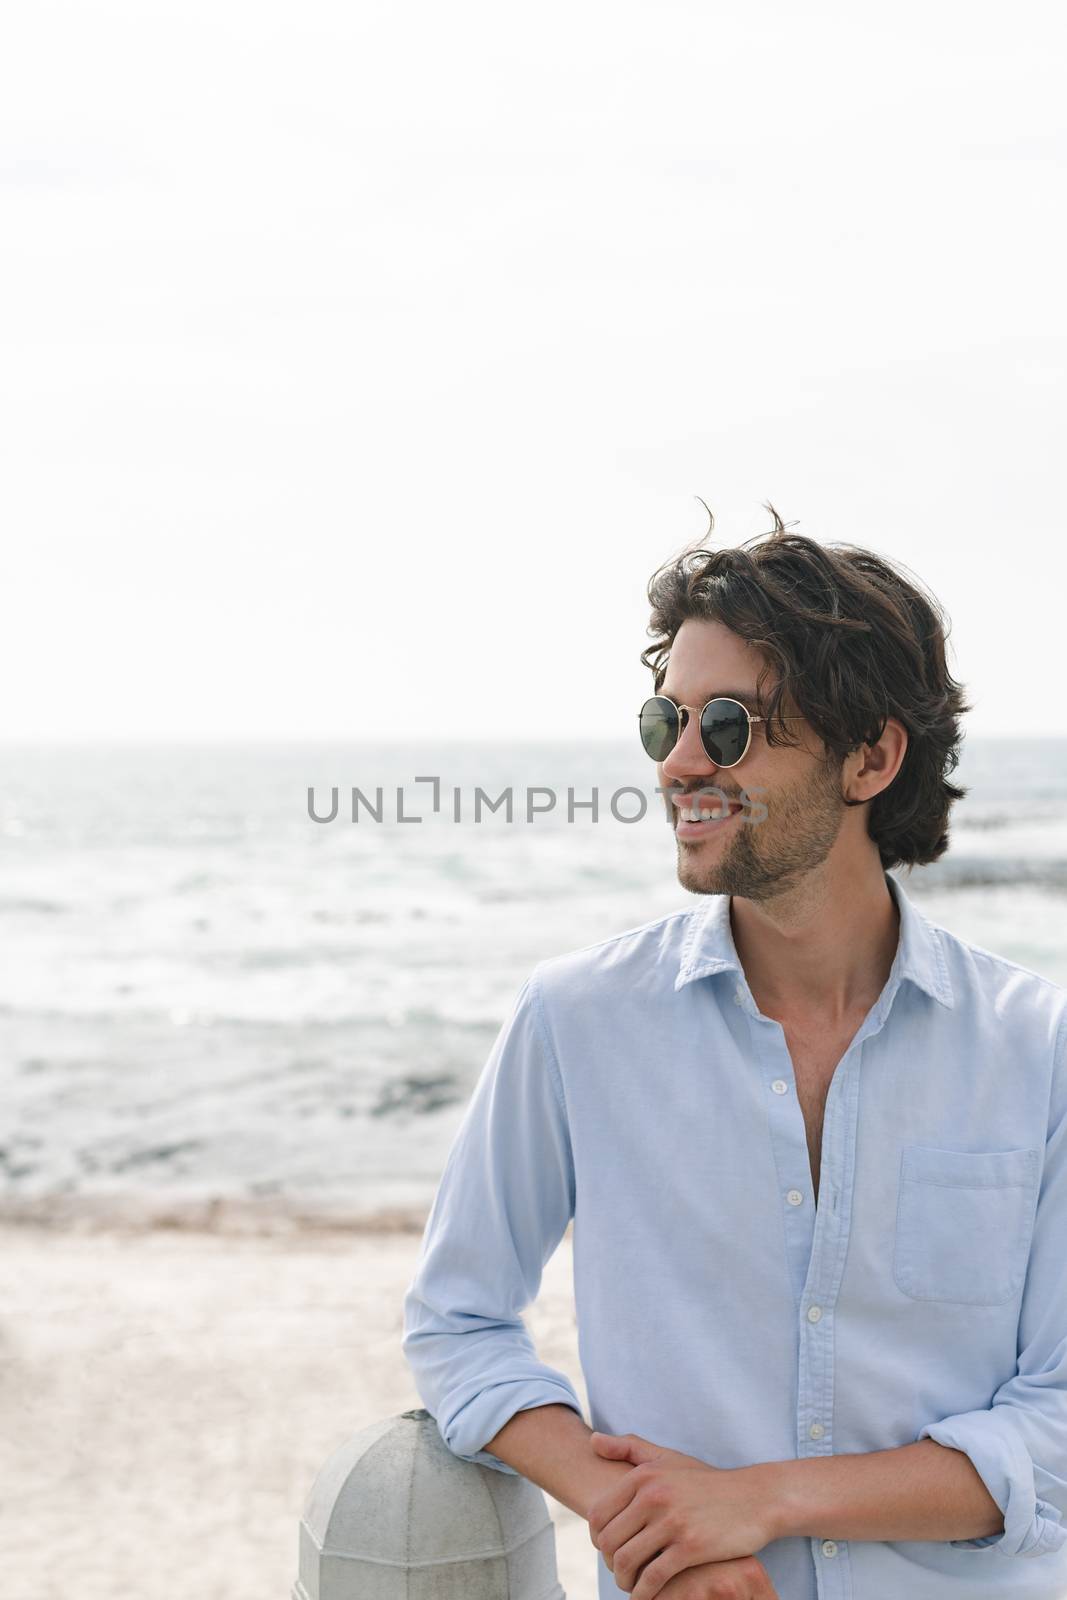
(361,361)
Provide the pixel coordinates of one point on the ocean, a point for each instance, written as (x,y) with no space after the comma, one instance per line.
(214,1008)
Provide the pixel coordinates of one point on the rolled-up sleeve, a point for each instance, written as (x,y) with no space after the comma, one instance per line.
(1019,1444)
(501,1208)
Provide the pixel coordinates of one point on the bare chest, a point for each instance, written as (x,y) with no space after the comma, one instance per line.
(815,1057)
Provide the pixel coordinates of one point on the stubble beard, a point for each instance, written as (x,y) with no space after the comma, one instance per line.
(767,858)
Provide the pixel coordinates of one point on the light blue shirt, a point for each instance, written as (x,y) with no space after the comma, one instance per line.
(637,1088)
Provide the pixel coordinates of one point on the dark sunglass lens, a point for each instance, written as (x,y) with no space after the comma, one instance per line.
(724,731)
(658,722)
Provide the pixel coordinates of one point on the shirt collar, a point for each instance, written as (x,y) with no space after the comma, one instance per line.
(708,946)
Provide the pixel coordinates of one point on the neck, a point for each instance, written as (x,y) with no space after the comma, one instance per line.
(822,948)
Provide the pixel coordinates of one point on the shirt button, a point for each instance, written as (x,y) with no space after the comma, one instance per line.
(816,1430)
(739,994)
(814,1313)
(795,1197)
(829,1548)
(779,1086)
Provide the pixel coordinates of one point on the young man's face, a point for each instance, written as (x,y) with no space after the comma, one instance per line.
(801,793)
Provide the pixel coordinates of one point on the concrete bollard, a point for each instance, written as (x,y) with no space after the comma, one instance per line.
(395,1515)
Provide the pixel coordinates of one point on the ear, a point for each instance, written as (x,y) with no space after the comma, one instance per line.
(872,768)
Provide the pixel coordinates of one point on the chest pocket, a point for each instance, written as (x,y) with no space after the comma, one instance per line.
(963,1223)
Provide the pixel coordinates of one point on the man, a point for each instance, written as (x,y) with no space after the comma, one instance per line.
(814,1147)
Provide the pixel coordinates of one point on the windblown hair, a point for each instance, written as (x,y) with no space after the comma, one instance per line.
(851,641)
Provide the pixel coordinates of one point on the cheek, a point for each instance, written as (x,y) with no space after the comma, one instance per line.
(759,791)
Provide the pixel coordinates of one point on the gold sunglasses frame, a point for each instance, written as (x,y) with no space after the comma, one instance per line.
(729,698)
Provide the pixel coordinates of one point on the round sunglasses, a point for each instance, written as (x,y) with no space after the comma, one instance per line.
(725,728)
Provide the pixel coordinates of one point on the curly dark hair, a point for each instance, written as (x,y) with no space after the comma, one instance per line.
(852,641)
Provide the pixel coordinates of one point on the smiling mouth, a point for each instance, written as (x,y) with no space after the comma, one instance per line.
(700,806)
(692,823)
(695,814)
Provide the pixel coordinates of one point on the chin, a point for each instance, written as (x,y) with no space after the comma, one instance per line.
(698,879)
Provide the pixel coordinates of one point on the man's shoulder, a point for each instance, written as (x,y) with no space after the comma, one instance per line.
(650,950)
(987,980)
(977,963)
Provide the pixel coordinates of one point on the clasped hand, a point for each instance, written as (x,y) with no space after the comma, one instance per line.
(672,1512)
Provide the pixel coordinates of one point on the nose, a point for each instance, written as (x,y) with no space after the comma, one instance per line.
(688,759)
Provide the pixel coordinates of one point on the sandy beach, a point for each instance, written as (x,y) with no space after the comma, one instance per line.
(168,1396)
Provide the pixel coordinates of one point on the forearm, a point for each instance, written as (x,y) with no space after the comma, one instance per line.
(917,1491)
(550,1446)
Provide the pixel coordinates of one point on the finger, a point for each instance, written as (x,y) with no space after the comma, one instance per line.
(619,1531)
(658,1570)
(643,1548)
(616,1499)
(762,1587)
(624,1446)
(754,1581)
(743,1579)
